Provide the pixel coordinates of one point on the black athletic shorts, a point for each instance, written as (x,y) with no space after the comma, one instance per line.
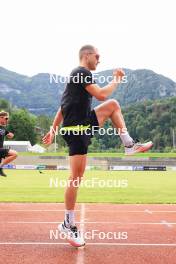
(78,144)
(4,152)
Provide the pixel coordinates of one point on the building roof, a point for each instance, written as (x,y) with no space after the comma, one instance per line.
(17,143)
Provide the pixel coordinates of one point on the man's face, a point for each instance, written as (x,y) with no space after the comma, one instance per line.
(4,120)
(93,59)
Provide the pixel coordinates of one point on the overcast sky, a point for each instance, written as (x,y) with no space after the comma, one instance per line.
(45,36)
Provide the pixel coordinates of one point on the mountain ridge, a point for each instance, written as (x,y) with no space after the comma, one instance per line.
(39,96)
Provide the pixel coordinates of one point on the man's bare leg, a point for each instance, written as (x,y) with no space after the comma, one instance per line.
(12,155)
(111,109)
(77,167)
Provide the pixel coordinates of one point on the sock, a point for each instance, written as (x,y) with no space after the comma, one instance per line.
(69,218)
(126,139)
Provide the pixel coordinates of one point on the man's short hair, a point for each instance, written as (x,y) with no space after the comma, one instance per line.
(86,49)
(3,113)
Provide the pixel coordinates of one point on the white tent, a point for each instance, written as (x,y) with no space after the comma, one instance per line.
(37,149)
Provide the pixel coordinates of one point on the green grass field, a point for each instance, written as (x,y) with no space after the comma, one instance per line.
(105,154)
(142,187)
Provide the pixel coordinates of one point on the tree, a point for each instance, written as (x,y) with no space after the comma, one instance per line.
(22,124)
(5,105)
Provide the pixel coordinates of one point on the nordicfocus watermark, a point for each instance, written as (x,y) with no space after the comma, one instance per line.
(88,130)
(94,234)
(88,79)
(88,183)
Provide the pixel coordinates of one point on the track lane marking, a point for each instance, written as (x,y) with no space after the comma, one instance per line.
(62,210)
(148,211)
(92,244)
(163,222)
(80,256)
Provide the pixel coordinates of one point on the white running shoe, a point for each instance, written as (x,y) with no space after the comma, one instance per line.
(74,236)
(138,147)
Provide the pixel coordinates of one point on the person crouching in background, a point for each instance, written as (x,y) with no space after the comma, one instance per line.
(6,154)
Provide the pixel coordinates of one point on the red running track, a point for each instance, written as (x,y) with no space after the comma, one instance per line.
(115,234)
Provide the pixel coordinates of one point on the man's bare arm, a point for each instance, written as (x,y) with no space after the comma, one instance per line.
(48,138)
(57,120)
(102,93)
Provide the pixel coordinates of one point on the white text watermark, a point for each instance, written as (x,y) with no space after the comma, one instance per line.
(79,78)
(94,234)
(88,183)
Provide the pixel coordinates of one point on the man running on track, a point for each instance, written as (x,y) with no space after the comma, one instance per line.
(75,114)
(5,153)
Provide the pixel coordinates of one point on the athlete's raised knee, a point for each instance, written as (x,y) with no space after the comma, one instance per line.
(114,104)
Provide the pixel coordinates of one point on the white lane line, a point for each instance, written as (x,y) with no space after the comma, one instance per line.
(62,210)
(82,218)
(93,222)
(36,210)
(80,256)
(93,244)
(164,222)
(148,211)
